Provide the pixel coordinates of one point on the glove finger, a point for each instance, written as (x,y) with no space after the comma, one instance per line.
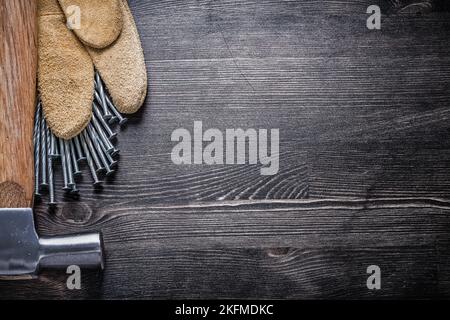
(100,20)
(122,66)
(65,74)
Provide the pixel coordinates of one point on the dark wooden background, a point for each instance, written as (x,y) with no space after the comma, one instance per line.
(364,119)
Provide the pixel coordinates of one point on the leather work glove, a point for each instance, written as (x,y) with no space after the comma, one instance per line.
(105,40)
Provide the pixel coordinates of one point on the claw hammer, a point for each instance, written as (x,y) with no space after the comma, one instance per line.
(22,252)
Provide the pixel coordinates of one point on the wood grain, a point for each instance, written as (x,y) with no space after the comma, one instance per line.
(18,57)
(360,120)
(254,250)
(364,158)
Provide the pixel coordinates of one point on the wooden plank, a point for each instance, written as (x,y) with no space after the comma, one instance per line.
(361,113)
(364,170)
(18,60)
(324,152)
(249,273)
(289,249)
(272,223)
(272,28)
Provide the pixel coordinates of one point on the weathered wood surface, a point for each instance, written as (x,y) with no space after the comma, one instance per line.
(364,158)
(18,64)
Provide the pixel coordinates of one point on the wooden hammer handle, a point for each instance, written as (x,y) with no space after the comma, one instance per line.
(18,66)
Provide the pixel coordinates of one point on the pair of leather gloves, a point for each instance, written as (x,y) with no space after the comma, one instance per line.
(104,39)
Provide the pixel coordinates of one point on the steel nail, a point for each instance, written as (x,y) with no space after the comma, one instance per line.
(89,161)
(52,152)
(101,91)
(56,154)
(97,113)
(76,168)
(113,119)
(74,190)
(44,156)
(69,164)
(64,165)
(51,143)
(122,120)
(98,99)
(37,148)
(51,183)
(112,163)
(99,151)
(80,155)
(99,129)
(115,152)
(94,155)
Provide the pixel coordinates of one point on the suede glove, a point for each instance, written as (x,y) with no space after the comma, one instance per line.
(106,39)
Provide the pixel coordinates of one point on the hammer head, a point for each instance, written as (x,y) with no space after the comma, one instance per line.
(23,253)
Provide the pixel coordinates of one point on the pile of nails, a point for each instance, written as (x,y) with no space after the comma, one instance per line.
(94,146)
